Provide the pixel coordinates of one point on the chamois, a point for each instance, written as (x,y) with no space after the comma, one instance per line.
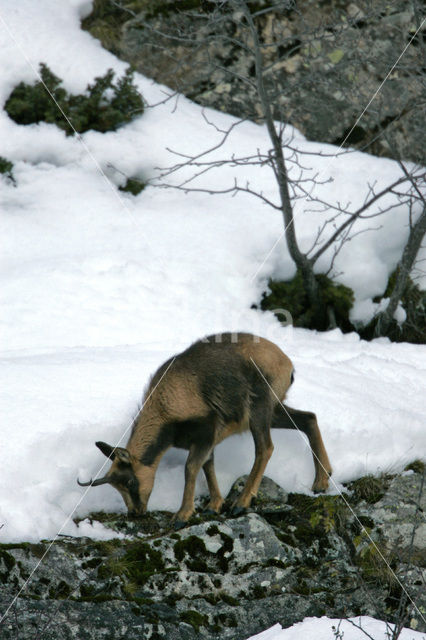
(221,385)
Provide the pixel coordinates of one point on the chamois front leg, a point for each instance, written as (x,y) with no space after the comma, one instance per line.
(260,420)
(196,459)
(216,500)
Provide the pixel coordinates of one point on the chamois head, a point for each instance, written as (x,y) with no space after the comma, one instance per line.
(133,480)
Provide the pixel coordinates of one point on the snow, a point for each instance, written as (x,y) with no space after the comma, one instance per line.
(99,288)
(323,629)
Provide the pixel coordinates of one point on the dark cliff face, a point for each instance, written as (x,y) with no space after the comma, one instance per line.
(324,61)
(290,557)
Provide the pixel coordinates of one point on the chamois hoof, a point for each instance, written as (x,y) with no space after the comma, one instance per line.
(210,512)
(238,511)
(179,524)
(320,486)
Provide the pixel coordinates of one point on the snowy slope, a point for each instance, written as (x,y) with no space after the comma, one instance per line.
(323,629)
(98,288)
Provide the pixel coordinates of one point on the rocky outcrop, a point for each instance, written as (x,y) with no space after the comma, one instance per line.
(324,62)
(289,557)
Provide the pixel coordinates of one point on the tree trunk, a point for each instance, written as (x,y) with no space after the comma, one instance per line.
(303,264)
(384,320)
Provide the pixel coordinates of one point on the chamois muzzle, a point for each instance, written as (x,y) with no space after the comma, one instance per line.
(94,483)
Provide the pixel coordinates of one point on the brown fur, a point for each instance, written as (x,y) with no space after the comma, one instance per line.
(220,386)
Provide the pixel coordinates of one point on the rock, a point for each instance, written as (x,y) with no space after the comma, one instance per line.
(290,557)
(270,496)
(399,517)
(315,52)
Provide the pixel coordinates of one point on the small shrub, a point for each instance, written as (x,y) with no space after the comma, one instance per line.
(104,106)
(133,186)
(291,295)
(369,488)
(418,466)
(6,169)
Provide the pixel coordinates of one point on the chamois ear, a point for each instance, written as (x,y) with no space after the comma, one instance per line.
(114,452)
(122,455)
(106,449)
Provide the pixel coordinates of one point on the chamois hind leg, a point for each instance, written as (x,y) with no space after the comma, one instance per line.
(287,418)
(260,421)
(216,500)
(198,454)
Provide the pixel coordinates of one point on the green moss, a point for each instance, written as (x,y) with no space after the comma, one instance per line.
(104,106)
(274,562)
(61,591)
(258,592)
(97,597)
(228,543)
(7,559)
(302,588)
(88,590)
(106,547)
(226,620)
(175,536)
(92,563)
(172,598)
(366,522)
(194,552)
(292,297)
(136,565)
(36,549)
(211,598)
(287,538)
(194,618)
(233,602)
(223,554)
(213,530)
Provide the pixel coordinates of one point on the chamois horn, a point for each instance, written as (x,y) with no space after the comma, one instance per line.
(94,483)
